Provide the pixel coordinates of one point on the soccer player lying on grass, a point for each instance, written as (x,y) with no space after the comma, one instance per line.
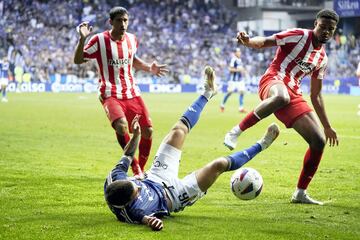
(162,192)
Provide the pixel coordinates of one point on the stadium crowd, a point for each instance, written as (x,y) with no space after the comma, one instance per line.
(38,37)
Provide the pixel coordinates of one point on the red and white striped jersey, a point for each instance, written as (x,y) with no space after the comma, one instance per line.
(114,60)
(296,57)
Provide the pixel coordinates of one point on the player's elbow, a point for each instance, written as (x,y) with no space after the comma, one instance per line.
(78,61)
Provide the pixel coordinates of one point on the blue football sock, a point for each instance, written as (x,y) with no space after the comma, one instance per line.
(192,115)
(226,97)
(241,100)
(238,159)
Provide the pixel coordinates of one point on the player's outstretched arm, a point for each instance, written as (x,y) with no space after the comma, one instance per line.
(255,42)
(153,222)
(154,68)
(131,147)
(318,103)
(84,31)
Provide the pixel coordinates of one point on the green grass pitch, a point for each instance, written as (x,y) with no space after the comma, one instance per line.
(56,150)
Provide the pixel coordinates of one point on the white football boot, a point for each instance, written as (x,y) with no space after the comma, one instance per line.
(209,84)
(270,135)
(302,197)
(231,137)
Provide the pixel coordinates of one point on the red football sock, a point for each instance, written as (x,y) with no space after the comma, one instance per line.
(144,151)
(123,140)
(250,120)
(311,162)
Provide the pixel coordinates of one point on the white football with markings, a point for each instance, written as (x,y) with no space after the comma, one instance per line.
(246,183)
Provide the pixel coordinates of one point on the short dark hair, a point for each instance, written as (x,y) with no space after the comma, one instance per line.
(329,14)
(119,193)
(117,11)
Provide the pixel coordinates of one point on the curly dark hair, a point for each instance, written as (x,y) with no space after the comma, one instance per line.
(117,11)
(329,14)
(119,193)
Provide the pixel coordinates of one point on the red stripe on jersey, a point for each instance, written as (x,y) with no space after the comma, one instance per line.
(289,33)
(281,53)
(130,53)
(94,40)
(107,40)
(318,65)
(121,70)
(283,50)
(101,71)
(293,63)
(300,74)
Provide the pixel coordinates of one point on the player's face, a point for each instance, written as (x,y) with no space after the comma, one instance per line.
(120,23)
(238,54)
(324,29)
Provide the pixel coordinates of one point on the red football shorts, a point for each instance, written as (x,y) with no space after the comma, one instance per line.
(128,108)
(291,112)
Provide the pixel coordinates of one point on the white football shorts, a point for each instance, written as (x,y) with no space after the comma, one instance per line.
(4,81)
(165,169)
(236,86)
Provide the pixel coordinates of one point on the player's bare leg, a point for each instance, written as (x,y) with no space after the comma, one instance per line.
(3,93)
(241,102)
(308,127)
(278,98)
(207,175)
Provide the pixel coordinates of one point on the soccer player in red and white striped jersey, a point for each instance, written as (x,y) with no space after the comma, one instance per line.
(300,52)
(115,54)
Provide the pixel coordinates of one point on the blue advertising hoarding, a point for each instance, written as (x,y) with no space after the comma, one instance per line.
(346,85)
(347,8)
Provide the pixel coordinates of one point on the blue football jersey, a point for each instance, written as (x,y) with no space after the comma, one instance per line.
(4,68)
(151,200)
(235,63)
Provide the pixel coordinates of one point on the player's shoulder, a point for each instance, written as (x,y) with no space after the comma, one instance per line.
(297,31)
(130,34)
(96,36)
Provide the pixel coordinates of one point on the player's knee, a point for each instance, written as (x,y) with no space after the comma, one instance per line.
(179,131)
(147,132)
(120,126)
(318,142)
(220,165)
(282,100)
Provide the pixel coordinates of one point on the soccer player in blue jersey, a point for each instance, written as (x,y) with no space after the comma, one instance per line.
(4,78)
(162,192)
(236,81)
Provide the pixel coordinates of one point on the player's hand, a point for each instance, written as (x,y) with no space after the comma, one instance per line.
(84,30)
(155,223)
(135,125)
(243,38)
(331,137)
(158,69)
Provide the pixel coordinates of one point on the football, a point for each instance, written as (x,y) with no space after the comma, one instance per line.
(246,183)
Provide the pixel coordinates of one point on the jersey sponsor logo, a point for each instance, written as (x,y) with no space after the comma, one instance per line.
(304,66)
(118,62)
(160,164)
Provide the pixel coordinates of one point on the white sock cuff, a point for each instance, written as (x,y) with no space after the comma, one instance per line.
(257,115)
(207,94)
